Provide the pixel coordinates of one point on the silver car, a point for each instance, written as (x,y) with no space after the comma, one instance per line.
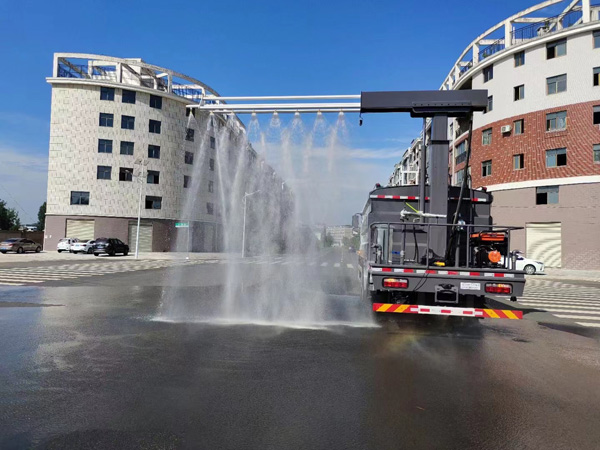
(19,245)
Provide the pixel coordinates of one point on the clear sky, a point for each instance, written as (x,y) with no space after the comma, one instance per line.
(239,48)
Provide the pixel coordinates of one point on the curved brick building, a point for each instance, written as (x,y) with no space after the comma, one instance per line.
(537,148)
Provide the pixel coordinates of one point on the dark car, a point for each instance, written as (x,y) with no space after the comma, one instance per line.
(110,246)
(19,245)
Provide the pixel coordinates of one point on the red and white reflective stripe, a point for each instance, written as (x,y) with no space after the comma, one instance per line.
(447,311)
(481,200)
(445,272)
(396,197)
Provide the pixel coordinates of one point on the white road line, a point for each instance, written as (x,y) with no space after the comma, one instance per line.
(569,316)
(311,263)
(590,315)
(556,305)
(275,262)
(324,264)
(27,277)
(561,296)
(589,324)
(349,266)
(2,283)
(24,281)
(336,265)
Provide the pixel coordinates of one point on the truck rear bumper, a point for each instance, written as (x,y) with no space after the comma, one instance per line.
(448,311)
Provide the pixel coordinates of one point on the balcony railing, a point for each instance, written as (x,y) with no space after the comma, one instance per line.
(545,27)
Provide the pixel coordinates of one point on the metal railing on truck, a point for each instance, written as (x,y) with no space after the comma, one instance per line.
(459,228)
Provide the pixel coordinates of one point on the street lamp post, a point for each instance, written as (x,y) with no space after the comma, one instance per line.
(142,163)
(246,195)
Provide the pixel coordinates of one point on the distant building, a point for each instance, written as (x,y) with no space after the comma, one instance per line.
(338,233)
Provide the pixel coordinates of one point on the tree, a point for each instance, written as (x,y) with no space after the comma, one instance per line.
(328,240)
(9,219)
(41,223)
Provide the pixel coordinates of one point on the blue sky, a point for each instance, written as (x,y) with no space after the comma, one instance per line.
(239,48)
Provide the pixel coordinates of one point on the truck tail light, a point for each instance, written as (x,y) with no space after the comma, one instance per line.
(395,283)
(498,288)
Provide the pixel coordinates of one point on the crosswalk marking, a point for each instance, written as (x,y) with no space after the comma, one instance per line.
(564,300)
(19,276)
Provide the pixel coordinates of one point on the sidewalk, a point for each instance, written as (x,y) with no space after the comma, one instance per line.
(569,274)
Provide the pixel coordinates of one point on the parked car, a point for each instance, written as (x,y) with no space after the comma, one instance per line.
(19,245)
(110,246)
(530,266)
(64,245)
(83,247)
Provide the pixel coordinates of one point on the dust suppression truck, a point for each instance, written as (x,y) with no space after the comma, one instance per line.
(432,248)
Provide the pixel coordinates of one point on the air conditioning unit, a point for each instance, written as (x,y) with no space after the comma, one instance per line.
(506,129)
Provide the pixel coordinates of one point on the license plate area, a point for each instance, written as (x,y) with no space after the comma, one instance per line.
(446,293)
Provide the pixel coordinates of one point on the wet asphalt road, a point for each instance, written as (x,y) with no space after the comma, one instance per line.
(99,371)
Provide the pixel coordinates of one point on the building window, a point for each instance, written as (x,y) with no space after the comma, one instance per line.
(186,181)
(103,172)
(153,177)
(106,120)
(546,195)
(189,158)
(519,93)
(556,157)
(128,96)
(127,122)
(488,73)
(596,116)
(154,126)
(519,58)
(597,153)
(597,39)
(80,198)
(556,121)
(490,104)
(107,93)
(210,208)
(154,151)
(126,148)
(153,202)
(556,48)
(518,161)
(211,164)
(486,137)
(104,146)
(211,185)
(213,142)
(155,101)
(486,168)
(519,126)
(461,152)
(189,134)
(556,84)
(125,174)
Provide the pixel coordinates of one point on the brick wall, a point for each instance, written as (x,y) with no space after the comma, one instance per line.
(578,138)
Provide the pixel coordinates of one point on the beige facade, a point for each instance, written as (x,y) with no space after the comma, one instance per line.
(577,212)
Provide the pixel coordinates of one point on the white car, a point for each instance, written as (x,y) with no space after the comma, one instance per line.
(83,247)
(64,245)
(530,266)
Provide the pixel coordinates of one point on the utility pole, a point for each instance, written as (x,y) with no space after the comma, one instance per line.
(142,163)
(246,195)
